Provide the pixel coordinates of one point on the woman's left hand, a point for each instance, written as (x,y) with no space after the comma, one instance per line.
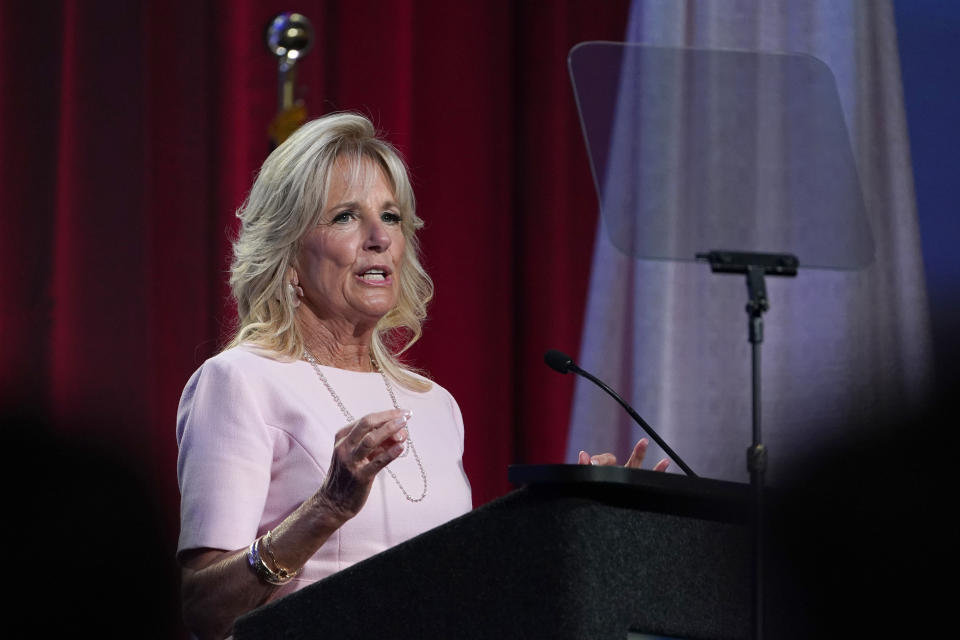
(636,458)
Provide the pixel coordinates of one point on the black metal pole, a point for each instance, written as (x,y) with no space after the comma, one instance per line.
(756,462)
(757,453)
(755,266)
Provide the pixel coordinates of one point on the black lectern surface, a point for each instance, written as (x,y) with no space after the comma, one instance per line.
(580,552)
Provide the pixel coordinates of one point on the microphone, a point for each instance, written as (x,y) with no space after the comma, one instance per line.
(559,361)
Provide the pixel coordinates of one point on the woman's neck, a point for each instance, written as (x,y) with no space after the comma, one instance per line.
(333,345)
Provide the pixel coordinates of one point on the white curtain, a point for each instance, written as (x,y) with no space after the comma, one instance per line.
(840,348)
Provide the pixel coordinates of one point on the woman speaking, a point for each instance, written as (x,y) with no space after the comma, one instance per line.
(306,446)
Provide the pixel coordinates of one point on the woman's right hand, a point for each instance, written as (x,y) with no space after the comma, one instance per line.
(218,586)
(362,449)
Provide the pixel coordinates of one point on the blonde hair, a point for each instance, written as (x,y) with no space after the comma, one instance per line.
(284,204)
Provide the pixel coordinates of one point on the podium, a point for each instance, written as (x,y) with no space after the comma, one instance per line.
(577,552)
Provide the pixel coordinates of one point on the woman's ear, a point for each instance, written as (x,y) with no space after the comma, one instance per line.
(294,290)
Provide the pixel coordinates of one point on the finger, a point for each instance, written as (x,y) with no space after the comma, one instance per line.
(583,458)
(358,430)
(388,434)
(639,452)
(379,461)
(373,429)
(603,459)
(662,465)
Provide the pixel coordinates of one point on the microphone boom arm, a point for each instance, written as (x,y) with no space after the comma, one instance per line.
(633,414)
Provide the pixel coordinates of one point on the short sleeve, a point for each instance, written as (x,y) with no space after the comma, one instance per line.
(457,420)
(224,461)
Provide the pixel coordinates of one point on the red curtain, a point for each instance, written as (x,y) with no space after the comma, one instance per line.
(131,132)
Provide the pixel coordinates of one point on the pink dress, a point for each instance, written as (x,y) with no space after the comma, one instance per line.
(256,436)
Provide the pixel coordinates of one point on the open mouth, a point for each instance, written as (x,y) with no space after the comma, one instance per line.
(375,274)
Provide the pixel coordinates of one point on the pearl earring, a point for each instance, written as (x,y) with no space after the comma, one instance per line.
(294,290)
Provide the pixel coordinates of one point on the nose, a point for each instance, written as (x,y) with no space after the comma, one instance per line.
(377,240)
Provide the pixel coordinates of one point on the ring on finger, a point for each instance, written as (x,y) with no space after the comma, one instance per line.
(382,460)
(368,441)
(389,455)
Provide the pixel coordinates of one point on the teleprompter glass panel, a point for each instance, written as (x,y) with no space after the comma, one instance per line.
(694,150)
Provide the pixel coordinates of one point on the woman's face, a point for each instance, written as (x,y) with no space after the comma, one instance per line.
(348,264)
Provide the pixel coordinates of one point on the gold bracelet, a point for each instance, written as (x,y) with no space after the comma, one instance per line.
(267,542)
(262,571)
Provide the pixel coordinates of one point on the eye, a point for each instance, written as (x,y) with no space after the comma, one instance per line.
(390,217)
(343,217)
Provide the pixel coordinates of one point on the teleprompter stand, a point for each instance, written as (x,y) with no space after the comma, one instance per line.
(755,266)
(695,148)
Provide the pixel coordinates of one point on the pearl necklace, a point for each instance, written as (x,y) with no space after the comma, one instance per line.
(349,416)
